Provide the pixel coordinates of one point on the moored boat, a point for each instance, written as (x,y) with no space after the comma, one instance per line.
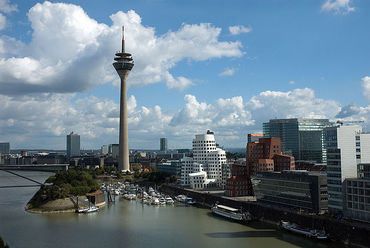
(90,209)
(311,233)
(231,213)
(169,200)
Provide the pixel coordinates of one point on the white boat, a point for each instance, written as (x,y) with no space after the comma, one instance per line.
(169,200)
(162,201)
(231,213)
(131,197)
(90,209)
(189,201)
(311,233)
(181,198)
(155,201)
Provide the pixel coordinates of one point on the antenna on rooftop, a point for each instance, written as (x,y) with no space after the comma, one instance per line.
(123,39)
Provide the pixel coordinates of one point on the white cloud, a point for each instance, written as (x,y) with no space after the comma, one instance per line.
(71,52)
(2,21)
(9,45)
(44,119)
(291,104)
(291,82)
(6,7)
(366,86)
(227,72)
(337,6)
(235,30)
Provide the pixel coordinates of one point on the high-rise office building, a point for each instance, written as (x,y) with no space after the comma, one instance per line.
(5,148)
(163,144)
(301,138)
(104,150)
(115,150)
(73,145)
(346,146)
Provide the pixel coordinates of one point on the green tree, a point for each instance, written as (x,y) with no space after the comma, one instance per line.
(3,244)
(136,167)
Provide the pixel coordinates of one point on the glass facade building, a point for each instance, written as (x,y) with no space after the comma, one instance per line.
(301,138)
(293,189)
(163,144)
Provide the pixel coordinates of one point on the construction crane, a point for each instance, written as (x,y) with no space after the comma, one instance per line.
(349,122)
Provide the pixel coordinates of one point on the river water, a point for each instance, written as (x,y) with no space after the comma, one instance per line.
(129,224)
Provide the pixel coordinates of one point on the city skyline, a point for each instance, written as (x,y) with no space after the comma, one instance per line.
(272,60)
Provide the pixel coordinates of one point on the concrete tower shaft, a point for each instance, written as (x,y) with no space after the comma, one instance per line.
(123,66)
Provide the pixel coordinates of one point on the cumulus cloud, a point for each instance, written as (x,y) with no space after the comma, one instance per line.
(227,72)
(235,30)
(337,6)
(71,52)
(348,111)
(7,7)
(35,119)
(366,86)
(291,104)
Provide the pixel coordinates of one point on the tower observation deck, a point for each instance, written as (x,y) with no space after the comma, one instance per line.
(123,65)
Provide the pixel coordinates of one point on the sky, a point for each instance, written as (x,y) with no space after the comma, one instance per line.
(227,66)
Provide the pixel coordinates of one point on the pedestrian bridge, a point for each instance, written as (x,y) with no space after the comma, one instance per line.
(36,167)
(45,168)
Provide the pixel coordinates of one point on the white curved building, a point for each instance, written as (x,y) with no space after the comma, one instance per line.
(207,157)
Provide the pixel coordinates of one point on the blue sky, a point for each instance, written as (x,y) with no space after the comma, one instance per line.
(290,58)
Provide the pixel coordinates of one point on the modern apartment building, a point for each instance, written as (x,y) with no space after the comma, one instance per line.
(301,138)
(347,146)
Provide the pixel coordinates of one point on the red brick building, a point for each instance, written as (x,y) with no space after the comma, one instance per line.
(239,184)
(260,153)
(283,162)
(264,164)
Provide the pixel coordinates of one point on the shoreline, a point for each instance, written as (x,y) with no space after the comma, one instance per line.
(350,234)
(54,207)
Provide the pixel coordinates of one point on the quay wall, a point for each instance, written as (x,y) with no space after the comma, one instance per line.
(348,232)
